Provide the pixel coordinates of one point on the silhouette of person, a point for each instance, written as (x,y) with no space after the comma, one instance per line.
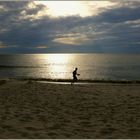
(75,75)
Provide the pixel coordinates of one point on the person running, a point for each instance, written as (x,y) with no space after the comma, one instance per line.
(75,76)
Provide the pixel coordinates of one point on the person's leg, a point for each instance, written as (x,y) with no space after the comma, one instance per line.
(75,79)
(72,82)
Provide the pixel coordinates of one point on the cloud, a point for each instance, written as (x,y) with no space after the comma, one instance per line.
(74,8)
(2,45)
(77,40)
(24,28)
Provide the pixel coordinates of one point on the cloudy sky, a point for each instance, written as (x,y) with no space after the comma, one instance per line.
(70,26)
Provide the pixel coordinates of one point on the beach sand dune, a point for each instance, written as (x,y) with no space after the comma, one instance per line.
(42,110)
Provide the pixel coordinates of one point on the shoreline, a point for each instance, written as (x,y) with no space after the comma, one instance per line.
(68,82)
(80,81)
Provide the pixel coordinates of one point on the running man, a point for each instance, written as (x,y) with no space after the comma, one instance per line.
(75,76)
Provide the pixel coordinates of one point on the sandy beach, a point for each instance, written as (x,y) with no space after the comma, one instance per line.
(29,109)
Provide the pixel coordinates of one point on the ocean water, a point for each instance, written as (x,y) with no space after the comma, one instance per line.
(60,66)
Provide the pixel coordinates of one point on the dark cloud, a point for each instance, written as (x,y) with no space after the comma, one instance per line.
(120,15)
(112,30)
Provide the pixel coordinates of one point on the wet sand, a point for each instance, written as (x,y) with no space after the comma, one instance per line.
(43,110)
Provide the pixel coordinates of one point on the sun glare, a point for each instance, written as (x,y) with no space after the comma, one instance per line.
(57,58)
(58,65)
(70,8)
(65,8)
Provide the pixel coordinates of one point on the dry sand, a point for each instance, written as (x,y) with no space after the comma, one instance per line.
(40,110)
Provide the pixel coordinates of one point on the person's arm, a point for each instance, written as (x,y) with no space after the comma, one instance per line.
(77,74)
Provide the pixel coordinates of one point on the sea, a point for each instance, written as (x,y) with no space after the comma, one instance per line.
(60,66)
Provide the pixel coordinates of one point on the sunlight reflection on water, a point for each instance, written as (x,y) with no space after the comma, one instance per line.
(60,66)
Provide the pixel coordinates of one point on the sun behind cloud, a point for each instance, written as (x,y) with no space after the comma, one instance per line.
(65,8)
(70,8)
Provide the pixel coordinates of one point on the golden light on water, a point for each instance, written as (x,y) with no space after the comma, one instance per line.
(58,65)
(58,58)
